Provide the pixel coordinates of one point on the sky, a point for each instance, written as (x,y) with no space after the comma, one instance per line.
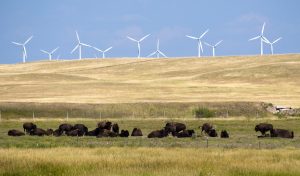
(105,23)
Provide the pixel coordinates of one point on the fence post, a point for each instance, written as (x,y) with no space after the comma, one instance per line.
(206,142)
(227,113)
(0,116)
(100,116)
(67,115)
(33,118)
(164,114)
(259,144)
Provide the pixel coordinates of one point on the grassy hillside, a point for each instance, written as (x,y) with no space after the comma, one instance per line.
(272,79)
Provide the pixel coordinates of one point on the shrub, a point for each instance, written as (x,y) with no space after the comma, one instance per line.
(203,113)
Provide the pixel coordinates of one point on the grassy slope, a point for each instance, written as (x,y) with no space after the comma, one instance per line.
(272,79)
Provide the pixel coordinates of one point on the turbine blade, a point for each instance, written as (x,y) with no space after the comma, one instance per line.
(219,43)
(77,36)
(162,53)
(132,39)
(28,40)
(207,44)
(204,33)
(201,46)
(108,49)
(54,50)
(75,48)
(83,44)
(263,28)
(45,52)
(277,40)
(17,43)
(152,54)
(265,40)
(157,45)
(254,38)
(192,37)
(97,49)
(144,37)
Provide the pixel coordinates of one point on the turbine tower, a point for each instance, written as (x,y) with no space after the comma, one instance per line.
(262,39)
(213,46)
(24,48)
(200,48)
(103,52)
(157,52)
(271,43)
(79,45)
(50,53)
(138,43)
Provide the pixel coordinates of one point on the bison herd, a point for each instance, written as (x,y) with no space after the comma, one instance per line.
(109,129)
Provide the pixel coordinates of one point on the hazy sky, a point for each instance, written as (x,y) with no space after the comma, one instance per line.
(105,23)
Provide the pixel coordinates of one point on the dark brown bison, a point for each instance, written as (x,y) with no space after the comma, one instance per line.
(263,128)
(82,128)
(124,133)
(73,132)
(136,132)
(224,134)
(115,128)
(38,132)
(15,133)
(206,127)
(158,134)
(212,133)
(105,125)
(106,133)
(94,132)
(282,133)
(49,132)
(175,127)
(185,133)
(28,126)
(65,127)
(57,132)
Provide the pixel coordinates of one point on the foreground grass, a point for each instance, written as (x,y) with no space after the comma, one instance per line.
(149,161)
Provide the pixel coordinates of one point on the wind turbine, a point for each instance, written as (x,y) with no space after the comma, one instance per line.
(271,43)
(24,48)
(200,48)
(50,53)
(103,52)
(213,46)
(157,52)
(138,43)
(79,45)
(262,39)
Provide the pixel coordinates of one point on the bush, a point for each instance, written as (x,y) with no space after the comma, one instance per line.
(203,113)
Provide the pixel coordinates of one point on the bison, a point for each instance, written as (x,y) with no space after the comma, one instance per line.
(185,133)
(49,132)
(124,133)
(15,133)
(106,133)
(94,132)
(57,132)
(38,132)
(158,134)
(105,125)
(263,128)
(115,128)
(28,126)
(206,127)
(282,133)
(175,127)
(212,133)
(65,127)
(136,132)
(82,128)
(224,134)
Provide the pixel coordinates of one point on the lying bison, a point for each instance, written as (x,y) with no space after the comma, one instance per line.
(185,133)
(282,133)
(263,128)
(81,128)
(38,132)
(124,133)
(94,132)
(115,128)
(212,133)
(105,125)
(175,127)
(65,127)
(57,133)
(49,132)
(136,132)
(28,126)
(206,127)
(224,134)
(15,133)
(106,133)
(158,134)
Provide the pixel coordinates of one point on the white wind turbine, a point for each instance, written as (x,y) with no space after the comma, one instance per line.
(50,53)
(272,43)
(262,39)
(24,48)
(157,52)
(103,52)
(138,43)
(79,45)
(200,47)
(213,46)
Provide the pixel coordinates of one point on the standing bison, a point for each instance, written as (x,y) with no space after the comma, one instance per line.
(263,128)
(282,133)
(28,126)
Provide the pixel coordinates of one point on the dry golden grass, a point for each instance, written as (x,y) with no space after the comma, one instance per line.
(149,161)
(272,79)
